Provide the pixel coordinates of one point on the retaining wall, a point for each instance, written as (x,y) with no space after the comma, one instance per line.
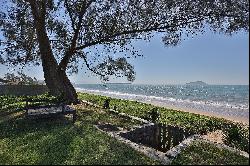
(19,90)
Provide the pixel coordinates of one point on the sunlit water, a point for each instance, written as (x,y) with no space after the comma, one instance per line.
(230,100)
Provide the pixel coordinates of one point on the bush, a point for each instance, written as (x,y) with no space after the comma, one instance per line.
(237,136)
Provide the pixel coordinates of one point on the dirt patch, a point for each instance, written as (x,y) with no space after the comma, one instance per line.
(215,136)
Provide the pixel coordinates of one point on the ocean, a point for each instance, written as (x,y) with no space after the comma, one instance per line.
(224,100)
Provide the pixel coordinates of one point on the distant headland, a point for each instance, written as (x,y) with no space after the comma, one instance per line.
(117,83)
(201,83)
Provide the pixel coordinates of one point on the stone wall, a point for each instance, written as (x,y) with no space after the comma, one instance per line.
(19,90)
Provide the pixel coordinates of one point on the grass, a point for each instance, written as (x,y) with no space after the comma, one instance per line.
(201,153)
(58,141)
(236,134)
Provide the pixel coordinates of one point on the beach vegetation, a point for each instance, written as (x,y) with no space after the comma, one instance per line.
(20,79)
(236,134)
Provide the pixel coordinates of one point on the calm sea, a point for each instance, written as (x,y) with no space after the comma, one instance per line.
(226,99)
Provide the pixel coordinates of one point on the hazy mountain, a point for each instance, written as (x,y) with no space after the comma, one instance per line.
(196,83)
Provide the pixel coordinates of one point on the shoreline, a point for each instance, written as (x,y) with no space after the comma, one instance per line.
(243,120)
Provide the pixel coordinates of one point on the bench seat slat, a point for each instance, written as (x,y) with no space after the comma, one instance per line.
(33,110)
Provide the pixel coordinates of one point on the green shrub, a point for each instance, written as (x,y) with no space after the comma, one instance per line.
(236,136)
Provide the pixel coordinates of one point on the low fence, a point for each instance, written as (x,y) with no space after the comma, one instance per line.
(19,90)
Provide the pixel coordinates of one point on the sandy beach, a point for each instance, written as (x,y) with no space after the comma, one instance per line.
(241,119)
(244,120)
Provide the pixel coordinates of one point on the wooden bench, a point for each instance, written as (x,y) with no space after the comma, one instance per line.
(47,110)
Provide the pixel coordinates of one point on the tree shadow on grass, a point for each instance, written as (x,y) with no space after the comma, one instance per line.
(52,141)
(4,112)
(20,125)
(54,147)
(35,141)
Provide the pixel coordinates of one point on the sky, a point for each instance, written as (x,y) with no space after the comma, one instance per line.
(212,58)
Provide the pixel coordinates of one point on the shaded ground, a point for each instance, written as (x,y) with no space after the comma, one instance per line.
(160,137)
(58,141)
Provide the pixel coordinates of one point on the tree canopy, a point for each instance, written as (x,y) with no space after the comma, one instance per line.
(89,32)
(62,35)
(19,78)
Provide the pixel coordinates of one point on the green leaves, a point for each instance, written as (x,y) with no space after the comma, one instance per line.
(237,136)
(197,123)
(13,103)
(98,29)
(116,67)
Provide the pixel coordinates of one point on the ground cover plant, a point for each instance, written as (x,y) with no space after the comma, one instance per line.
(236,134)
(58,141)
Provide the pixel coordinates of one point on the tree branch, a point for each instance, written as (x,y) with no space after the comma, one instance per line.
(38,15)
(43,9)
(88,66)
(34,9)
(70,15)
(134,31)
(64,62)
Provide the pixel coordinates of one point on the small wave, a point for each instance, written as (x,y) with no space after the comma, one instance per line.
(167,100)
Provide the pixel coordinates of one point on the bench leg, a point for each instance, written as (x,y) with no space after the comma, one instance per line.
(74,117)
(26,106)
(26,111)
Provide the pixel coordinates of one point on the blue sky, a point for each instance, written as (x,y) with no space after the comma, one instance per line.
(209,57)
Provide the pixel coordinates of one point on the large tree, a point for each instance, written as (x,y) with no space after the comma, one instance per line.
(63,34)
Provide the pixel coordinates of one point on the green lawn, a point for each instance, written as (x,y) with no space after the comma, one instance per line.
(58,141)
(201,153)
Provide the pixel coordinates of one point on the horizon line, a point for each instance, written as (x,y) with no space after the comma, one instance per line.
(155,84)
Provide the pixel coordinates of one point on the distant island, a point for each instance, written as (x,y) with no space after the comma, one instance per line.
(200,83)
(117,83)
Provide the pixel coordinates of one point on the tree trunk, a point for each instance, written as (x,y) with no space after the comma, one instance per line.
(55,78)
(68,91)
(58,83)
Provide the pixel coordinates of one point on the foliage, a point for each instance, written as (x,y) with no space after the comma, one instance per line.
(237,136)
(10,103)
(20,78)
(90,32)
(197,123)
(201,153)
